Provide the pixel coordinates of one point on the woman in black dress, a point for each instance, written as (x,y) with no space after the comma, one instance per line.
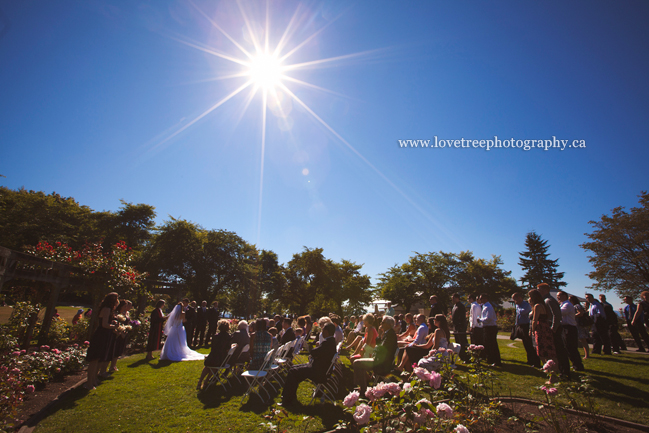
(155,333)
(102,341)
(220,347)
(121,333)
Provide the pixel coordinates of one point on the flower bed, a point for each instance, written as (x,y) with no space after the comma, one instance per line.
(21,371)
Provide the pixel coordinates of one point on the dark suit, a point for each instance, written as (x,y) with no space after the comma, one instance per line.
(213,318)
(316,370)
(611,319)
(190,323)
(434,310)
(201,323)
(458,317)
(289,335)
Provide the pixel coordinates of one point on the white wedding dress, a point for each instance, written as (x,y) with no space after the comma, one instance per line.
(175,347)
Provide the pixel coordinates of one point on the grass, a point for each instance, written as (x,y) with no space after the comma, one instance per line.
(64,311)
(161,397)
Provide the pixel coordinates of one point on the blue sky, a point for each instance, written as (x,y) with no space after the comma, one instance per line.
(97,98)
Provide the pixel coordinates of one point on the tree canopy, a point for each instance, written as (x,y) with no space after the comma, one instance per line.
(537,266)
(619,245)
(442,274)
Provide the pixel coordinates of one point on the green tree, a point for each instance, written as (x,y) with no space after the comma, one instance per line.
(619,245)
(537,266)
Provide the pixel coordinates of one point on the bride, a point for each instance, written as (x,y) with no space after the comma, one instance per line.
(175,347)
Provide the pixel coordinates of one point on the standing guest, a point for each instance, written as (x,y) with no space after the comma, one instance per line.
(190,322)
(382,359)
(642,310)
(201,324)
(242,338)
(600,332)
(220,347)
(289,334)
(435,308)
(541,329)
(155,333)
(583,323)
(554,313)
(213,319)
(611,320)
(636,331)
(77,316)
(121,332)
(489,325)
(389,311)
(88,313)
(522,324)
(570,332)
(316,370)
(477,333)
(458,316)
(260,343)
(102,341)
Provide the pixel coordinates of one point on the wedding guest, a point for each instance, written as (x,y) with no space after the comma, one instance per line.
(570,332)
(435,308)
(642,310)
(77,316)
(339,335)
(274,342)
(88,313)
(242,338)
(611,320)
(99,354)
(382,359)
(213,318)
(477,333)
(190,321)
(541,329)
(458,316)
(409,333)
(288,334)
(600,332)
(490,329)
(522,324)
(367,344)
(414,351)
(554,315)
(121,332)
(220,347)
(260,343)
(155,333)
(440,338)
(636,331)
(201,324)
(321,324)
(583,323)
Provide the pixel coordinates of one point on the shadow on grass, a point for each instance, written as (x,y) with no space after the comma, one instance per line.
(328,413)
(616,391)
(139,363)
(521,369)
(67,403)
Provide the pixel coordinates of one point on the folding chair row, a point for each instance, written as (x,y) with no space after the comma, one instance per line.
(220,373)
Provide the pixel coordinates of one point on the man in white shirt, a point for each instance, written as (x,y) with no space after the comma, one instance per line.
(490,327)
(477,335)
(600,335)
(570,332)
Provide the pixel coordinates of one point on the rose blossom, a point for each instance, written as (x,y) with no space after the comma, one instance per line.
(45,347)
(407,387)
(461,429)
(30,388)
(435,380)
(393,388)
(422,373)
(369,393)
(16,353)
(444,410)
(86,342)
(362,415)
(479,347)
(351,399)
(423,400)
(549,366)
(552,391)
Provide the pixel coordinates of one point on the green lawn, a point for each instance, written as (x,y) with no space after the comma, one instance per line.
(161,397)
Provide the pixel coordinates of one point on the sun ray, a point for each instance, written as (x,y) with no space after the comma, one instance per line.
(210,51)
(230,38)
(288,32)
(253,38)
(367,162)
(220,78)
(205,113)
(313,86)
(261,170)
(318,62)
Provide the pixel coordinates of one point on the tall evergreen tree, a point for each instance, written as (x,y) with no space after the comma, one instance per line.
(537,265)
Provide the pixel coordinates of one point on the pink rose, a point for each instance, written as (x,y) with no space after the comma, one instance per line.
(393,388)
(461,429)
(435,380)
(552,391)
(444,410)
(45,347)
(421,373)
(22,352)
(479,347)
(351,399)
(549,366)
(30,388)
(16,353)
(369,393)
(86,342)
(362,415)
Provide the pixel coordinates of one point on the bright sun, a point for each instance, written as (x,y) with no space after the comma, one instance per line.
(265,71)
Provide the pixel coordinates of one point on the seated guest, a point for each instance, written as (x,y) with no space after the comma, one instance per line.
(289,334)
(440,338)
(367,344)
(355,335)
(322,322)
(414,352)
(260,343)
(242,338)
(220,346)
(316,370)
(274,342)
(383,358)
(339,335)
(409,333)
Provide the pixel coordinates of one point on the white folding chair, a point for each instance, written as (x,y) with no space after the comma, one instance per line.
(299,343)
(218,372)
(329,387)
(239,367)
(257,377)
